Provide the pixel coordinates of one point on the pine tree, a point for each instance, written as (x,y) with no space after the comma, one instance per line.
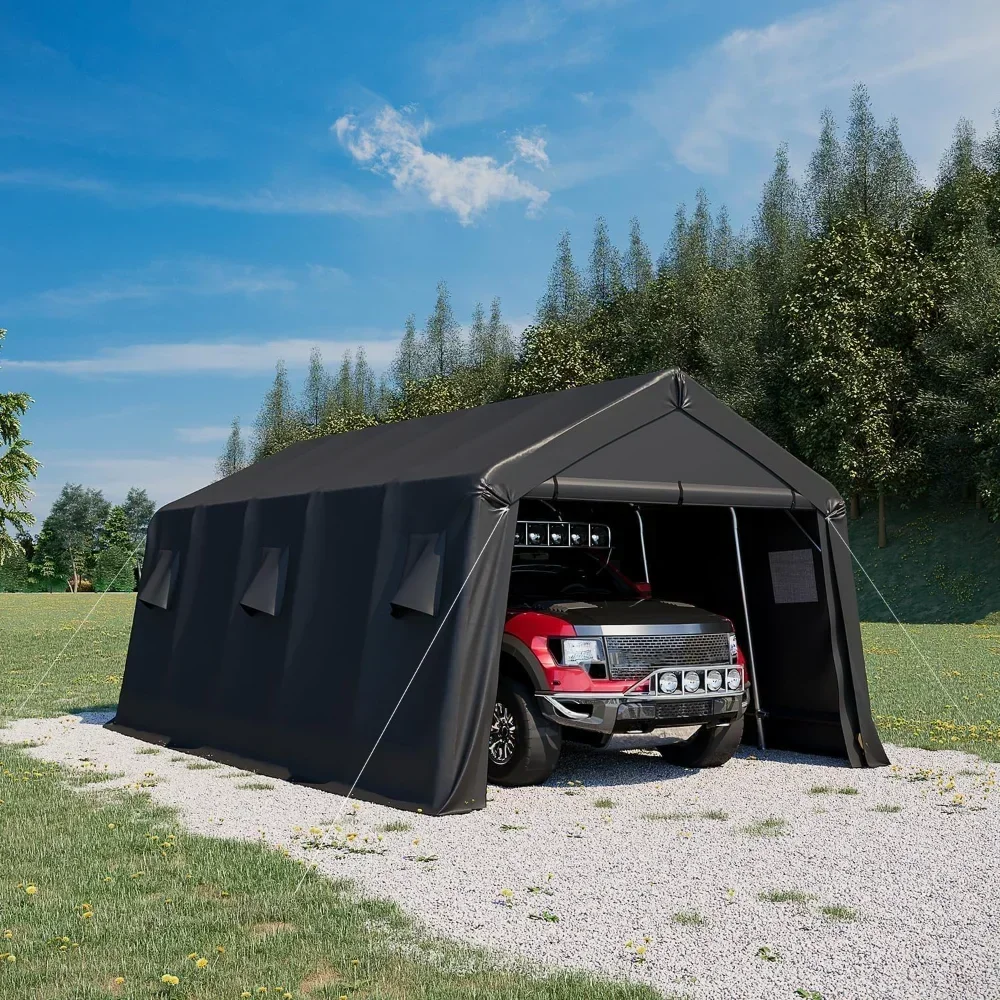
(233,457)
(500,335)
(317,387)
(826,176)
(364,388)
(276,425)
(406,366)
(441,348)
(638,263)
(605,266)
(564,300)
(17,468)
(480,348)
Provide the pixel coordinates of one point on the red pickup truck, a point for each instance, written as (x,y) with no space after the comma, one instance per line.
(588,653)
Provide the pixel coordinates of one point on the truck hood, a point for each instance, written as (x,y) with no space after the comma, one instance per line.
(640,612)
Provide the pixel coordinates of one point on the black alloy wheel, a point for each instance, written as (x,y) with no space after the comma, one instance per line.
(524,746)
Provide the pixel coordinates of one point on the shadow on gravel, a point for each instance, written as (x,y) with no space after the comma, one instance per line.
(637,762)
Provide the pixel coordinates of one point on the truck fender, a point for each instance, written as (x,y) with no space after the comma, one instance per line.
(512,647)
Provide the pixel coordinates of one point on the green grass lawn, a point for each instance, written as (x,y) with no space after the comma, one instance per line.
(101,887)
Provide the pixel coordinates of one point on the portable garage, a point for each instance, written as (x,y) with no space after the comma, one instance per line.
(333,614)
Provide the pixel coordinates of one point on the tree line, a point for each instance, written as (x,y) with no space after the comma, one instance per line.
(85,543)
(856,321)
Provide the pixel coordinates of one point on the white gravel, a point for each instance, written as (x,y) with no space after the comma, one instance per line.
(923,882)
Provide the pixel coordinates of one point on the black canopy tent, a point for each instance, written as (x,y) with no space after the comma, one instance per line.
(284,611)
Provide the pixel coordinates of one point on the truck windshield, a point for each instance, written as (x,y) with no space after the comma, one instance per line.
(549,575)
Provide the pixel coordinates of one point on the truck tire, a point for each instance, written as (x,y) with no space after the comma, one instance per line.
(524,746)
(709,747)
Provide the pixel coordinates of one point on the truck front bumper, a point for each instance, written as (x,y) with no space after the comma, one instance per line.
(637,712)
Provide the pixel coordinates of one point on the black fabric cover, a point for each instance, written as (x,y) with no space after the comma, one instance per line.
(394,548)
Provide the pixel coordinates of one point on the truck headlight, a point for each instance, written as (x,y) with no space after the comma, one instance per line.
(732,645)
(668,683)
(713,680)
(691,681)
(733,679)
(580,652)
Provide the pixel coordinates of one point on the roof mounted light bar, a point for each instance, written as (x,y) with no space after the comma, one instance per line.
(561,534)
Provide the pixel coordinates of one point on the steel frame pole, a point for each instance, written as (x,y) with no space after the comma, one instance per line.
(746,616)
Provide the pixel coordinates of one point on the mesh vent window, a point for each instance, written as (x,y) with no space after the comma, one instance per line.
(793,576)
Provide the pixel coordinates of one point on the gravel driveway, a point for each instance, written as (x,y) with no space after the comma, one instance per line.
(777,873)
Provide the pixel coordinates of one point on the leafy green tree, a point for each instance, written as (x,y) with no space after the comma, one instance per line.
(565,300)
(856,324)
(234,456)
(72,527)
(441,349)
(138,509)
(17,469)
(277,423)
(111,565)
(115,531)
(557,356)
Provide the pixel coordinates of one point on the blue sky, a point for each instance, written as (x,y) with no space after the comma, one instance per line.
(190,192)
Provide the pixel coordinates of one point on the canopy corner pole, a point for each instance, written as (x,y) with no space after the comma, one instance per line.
(755,690)
(642,543)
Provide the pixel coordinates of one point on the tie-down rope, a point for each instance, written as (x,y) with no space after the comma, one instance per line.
(413,676)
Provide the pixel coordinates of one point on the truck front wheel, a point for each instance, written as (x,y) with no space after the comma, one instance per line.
(524,746)
(709,747)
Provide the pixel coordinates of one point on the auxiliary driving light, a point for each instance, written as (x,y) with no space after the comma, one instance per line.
(668,683)
(600,537)
(557,534)
(691,681)
(733,679)
(538,534)
(713,680)
(578,534)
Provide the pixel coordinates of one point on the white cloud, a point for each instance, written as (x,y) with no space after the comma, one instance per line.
(926,62)
(218,358)
(202,435)
(160,279)
(531,149)
(303,201)
(392,144)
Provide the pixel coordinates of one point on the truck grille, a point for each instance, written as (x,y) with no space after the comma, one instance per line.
(631,657)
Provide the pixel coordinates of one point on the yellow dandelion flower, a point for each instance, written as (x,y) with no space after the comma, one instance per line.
(220,949)
(11,958)
(261,989)
(31,889)
(119,980)
(201,963)
(286,996)
(193,955)
(8,934)
(87,914)
(315,830)
(353,836)
(111,826)
(245,994)
(169,980)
